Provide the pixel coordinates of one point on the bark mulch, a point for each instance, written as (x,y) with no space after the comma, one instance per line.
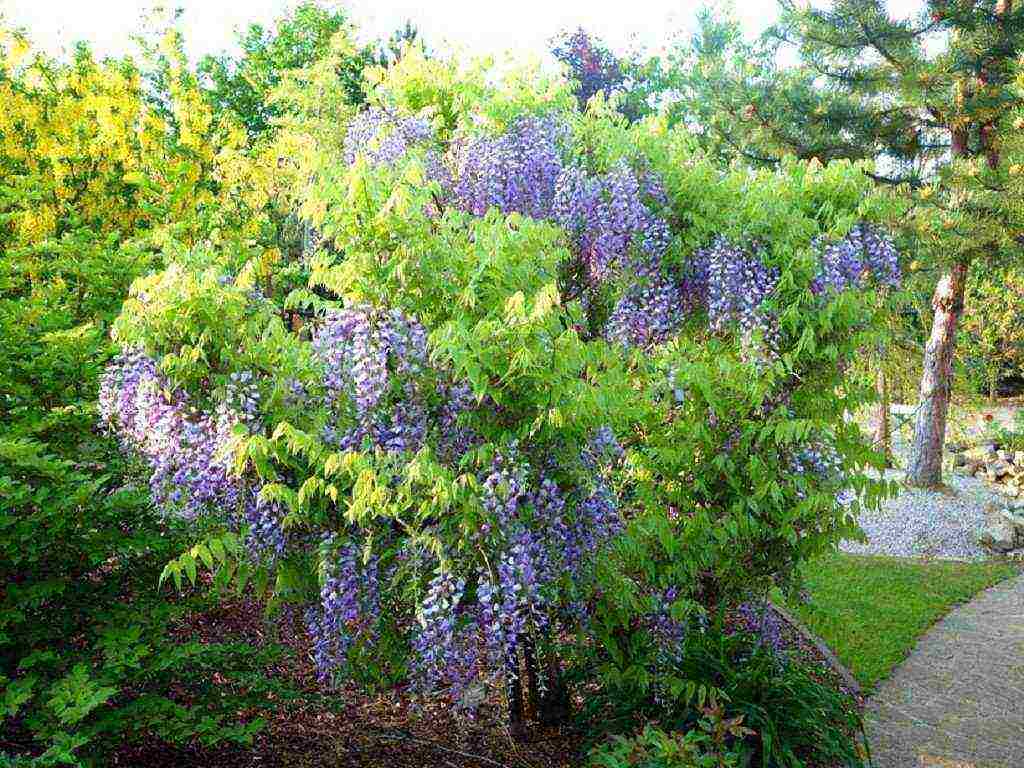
(347,727)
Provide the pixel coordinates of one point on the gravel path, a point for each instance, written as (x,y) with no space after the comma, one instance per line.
(922,523)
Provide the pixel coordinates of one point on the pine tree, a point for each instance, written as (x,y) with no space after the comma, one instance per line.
(927,98)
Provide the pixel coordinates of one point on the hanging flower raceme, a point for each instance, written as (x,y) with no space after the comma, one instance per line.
(382,138)
(607,219)
(372,363)
(349,607)
(188,451)
(865,253)
(738,283)
(515,172)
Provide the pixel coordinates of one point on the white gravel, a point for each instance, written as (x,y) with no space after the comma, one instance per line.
(918,523)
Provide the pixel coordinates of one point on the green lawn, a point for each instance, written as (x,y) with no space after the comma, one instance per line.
(872,610)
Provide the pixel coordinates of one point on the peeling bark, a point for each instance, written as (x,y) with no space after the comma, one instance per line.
(925,468)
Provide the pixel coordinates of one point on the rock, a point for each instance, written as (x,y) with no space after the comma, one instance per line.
(1004,529)
(1018,458)
(999,534)
(959,460)
(968,467)
(1000,468)
(979,453)
(1003,455)
(1016,521)
(1010,490)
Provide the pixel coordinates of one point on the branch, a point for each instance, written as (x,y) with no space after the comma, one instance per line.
(400,736)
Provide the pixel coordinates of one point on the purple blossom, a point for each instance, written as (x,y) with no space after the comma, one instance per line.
(514,172)
(866,252)
(349,606)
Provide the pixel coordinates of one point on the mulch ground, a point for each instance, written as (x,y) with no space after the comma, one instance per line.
(351,729)
(348,728)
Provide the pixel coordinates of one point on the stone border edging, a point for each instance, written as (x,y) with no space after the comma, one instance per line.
(848,679)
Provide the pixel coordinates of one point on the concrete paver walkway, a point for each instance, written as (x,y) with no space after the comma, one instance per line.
(958,700)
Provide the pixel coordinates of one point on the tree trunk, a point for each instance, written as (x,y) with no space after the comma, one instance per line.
(514,692)
(883,430)
(532,677)
(925,468)
(554,707)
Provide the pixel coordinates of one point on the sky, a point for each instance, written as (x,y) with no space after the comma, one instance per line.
(478,26)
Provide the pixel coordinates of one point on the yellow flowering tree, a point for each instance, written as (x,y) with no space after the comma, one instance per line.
(102,175)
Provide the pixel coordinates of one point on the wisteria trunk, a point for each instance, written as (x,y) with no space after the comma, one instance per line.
(925,469)
(514,683)
(532,697)
(554,708)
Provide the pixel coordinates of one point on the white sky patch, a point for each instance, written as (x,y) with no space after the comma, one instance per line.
(479,27)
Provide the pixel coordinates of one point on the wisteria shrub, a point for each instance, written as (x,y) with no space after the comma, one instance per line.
(556,389)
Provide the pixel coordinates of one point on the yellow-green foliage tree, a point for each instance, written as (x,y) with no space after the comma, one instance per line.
(71,138)
(100,178)
(993,325)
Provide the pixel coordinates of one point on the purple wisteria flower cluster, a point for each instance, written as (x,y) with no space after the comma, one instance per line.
(818,459)
(474,617)
(187,450)
(614,225)
(617,228)
(516,172)
(349,606)
(382,138)
(865,253)
(757,619)
(372,365)
(190,452)
(738,283)
(266,538)
(611,219)
(607,218)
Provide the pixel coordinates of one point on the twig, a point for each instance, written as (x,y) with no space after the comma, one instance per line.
(398,736)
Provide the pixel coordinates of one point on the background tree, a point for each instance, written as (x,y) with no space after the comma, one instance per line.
(101,179)
(922,97)
(992,331)
(243,83)
(632,81)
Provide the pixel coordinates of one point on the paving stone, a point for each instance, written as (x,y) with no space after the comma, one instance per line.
(958,700)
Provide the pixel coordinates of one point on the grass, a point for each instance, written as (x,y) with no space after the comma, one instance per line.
(872,610)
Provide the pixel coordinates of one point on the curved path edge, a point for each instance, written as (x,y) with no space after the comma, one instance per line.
(958,699)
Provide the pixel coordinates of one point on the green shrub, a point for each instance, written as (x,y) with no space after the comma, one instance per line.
(89,653)
(992,330)
(791,714)
(654,748)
